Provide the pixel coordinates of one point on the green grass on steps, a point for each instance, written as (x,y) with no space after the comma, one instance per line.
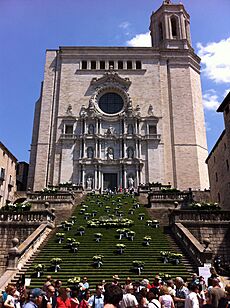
(80,263)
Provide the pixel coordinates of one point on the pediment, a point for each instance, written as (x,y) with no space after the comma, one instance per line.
(111,77)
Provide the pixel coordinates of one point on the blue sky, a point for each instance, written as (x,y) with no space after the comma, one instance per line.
(28,28)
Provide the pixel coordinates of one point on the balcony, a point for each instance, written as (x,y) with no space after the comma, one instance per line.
(156,137)
(68,136)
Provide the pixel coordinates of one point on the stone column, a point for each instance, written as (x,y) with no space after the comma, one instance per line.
(99,149)
(83,176)
(125,177)
(95,177)
(182,27)
(137,177)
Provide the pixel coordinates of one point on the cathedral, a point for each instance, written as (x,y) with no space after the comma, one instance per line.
(116,117)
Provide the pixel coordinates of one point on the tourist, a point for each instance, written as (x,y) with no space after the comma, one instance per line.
(129,300)
(50,300)
(10,300)
(35,298)
(192,300)
(213,275)
(47,283)
(57,285)
(181,293)
(128,282)
(165,299)
(224,302)
(97,300)
(143,301)
(74,298)
(153,301)
(116,280)
(216,293)
(84,301)
(171,288)
(62,300)
(113,295)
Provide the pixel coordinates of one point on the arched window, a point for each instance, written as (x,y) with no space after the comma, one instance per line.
(90,152)
(174,27)
(160,27)
(130,152)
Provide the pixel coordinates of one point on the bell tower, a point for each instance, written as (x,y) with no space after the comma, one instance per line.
(170,27)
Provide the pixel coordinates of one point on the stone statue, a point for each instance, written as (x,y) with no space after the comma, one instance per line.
(130,129)
(130,152)
(69,110)
(89,183)
(89,152)
(110,153)
(150,111)
(130,182)
(91,129)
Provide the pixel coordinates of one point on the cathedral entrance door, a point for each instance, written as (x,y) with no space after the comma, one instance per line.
(110,181)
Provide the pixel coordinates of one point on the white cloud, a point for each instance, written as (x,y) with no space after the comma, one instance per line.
(208,126)
(124,25)
(211,100)
(216,60)
(140,40)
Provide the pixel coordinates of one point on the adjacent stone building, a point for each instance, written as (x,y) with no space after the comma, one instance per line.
(219,161)
(119,116)
(7,175)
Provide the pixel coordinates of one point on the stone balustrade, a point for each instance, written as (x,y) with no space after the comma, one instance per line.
(199,253)
(169,195)
(25,217)
(60,195)
(198,216)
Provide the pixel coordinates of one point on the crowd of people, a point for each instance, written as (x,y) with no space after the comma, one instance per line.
(160,293)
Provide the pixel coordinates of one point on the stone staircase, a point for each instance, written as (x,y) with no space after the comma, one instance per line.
(80,264)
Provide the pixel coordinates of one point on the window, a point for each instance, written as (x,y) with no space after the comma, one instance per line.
(138,65)
(129,65)
(102,65)
(152,130)
(225,146)
(227,164)
(84,65)
(111,64)
(120,65)
(174,27)
(111,103)
(216,177)
(69,129)
(2,174)
(93,65)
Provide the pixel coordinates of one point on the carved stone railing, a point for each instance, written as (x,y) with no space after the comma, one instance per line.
(19,255)
(195,249)
(184,216)
(170,195)
(60,195)
(27,217)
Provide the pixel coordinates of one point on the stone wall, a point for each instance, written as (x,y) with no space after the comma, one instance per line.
(8,231)
(218,235)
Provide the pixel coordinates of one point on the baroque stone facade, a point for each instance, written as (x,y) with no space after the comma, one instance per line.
(119,116)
